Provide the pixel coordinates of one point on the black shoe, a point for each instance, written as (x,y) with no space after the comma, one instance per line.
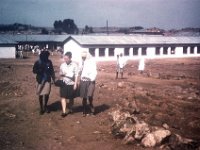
(70,111)
(47,110)
(63,115)
(41,112)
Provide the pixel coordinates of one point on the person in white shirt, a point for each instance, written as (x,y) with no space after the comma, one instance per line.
(121,62)
(69,76)
(141,65)
(88,73)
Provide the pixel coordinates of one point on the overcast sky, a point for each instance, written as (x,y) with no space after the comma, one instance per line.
(165,14)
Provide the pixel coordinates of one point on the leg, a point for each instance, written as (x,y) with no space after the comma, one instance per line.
(63,104)
(122,75)
(91,105)
(70,105)
(45,104)
(116,75)
(41,104)
(84,102)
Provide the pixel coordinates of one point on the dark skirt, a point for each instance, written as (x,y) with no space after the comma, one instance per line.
(87,89)
(68,92)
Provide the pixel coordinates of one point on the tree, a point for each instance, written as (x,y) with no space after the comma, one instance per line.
(87,30)
(67,25)
(44,31)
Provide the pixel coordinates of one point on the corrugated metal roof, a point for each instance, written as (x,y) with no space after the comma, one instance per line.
(102,39)
(4,40)
(129,39)
(35,38)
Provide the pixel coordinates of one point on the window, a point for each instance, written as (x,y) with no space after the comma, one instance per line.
(165,52)
(184,50)
(126,51)
(135,51)
(144,51)
(191,50)
(172,50)
(101,52)
(157,50)
(198,49)
(111,52)
(92,51)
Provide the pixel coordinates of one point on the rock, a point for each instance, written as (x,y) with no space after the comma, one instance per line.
(119,115)
(142,129)
(127,127)
(78,122)
(165,126)
(179,143)
(97,132)
(131,107)
(10,115)
(155,138)
(120,85)
(129,139)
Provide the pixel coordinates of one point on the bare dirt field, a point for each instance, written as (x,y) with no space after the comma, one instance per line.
(167,92)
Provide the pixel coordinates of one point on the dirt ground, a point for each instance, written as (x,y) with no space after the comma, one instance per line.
(167,92)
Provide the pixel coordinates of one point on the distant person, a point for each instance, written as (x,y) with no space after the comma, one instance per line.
(20,54)
(43,68)
(141,65)
(69,76)
(121,62)
(88,73)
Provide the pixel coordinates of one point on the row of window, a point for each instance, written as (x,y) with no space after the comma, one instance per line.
(111,51)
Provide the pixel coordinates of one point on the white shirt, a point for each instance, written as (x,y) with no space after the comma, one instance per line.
(88,69)
(141,64)
(121,62)
(69,72)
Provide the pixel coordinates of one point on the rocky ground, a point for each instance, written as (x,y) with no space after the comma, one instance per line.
(167,93)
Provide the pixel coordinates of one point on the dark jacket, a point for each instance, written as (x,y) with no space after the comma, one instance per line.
(44,71)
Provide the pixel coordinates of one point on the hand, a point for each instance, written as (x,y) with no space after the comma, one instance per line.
(86,78)
(75,86)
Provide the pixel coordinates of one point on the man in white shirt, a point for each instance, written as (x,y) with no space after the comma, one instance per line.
(88,73)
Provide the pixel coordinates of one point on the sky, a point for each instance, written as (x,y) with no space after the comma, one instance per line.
(164,14)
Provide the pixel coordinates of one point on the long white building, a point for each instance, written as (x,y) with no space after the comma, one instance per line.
(105,48)
(7,48)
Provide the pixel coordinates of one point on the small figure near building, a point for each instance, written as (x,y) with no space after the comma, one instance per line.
(121,62)
(141,65)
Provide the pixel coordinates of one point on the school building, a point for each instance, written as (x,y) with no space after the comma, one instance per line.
(105,48)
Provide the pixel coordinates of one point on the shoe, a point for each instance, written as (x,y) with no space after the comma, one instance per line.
(47,110)
(63,115)
(41,112)
(84,114)
(92,110)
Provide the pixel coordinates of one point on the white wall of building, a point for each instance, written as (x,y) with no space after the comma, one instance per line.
(75,49)
(143,52)
(7,52)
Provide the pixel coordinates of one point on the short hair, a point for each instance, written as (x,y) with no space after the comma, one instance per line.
(69,54)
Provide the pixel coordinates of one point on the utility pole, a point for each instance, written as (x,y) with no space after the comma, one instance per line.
(107,27)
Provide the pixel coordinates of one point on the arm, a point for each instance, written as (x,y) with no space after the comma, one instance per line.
(37,68)
(93,71)
(52,72)
(76,74)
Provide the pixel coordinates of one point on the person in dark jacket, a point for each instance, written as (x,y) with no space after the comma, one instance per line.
(43,68)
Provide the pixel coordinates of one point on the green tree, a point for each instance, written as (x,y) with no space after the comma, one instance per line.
(44,31)
(67,25)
